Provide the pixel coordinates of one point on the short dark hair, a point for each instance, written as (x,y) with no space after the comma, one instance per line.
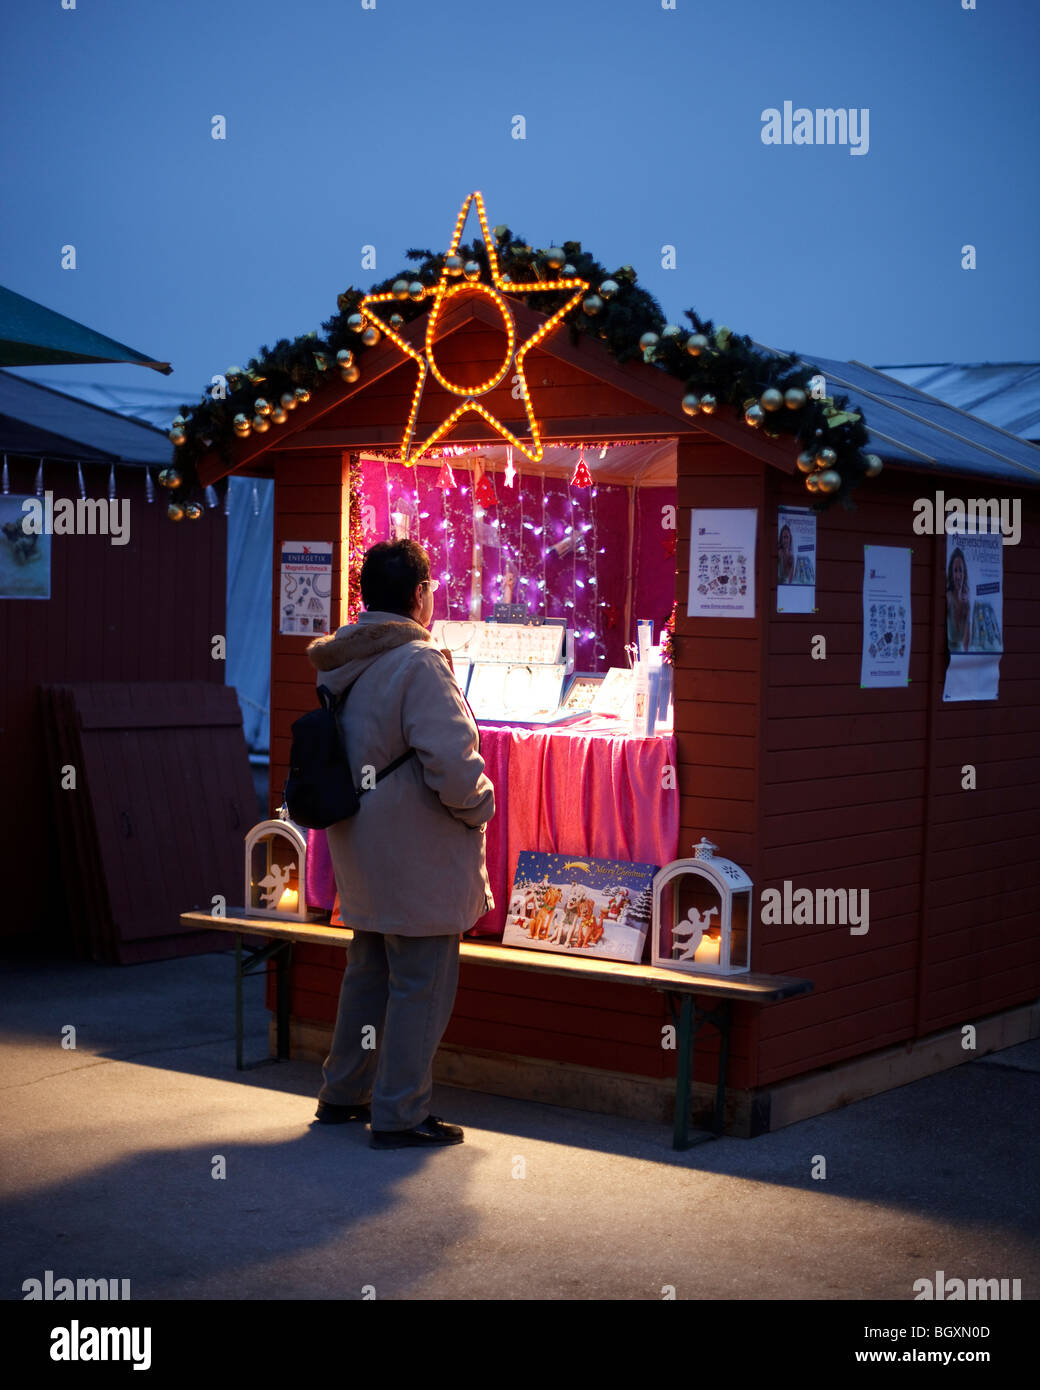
(389,574)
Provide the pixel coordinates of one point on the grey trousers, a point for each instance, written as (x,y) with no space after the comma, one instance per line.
(397,993)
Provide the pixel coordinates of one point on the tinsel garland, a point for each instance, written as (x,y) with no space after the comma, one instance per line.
(356,542)
(630,322)
(668,637)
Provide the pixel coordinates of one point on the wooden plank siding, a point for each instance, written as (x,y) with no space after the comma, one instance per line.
(861,789)
(311,500)
(146,610)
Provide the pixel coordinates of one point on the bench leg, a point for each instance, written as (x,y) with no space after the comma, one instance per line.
(283,963)
(238,1002)
(723,1018)
(683,1074)
(250,962)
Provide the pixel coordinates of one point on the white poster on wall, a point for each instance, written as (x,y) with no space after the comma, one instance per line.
(974,615)
(796,560)
(886,617)
(722,562)
(305,591)
(25,556)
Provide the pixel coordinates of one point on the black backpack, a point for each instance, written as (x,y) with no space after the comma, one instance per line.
(319,790)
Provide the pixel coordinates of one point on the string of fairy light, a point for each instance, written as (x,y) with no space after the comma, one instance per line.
(520,527)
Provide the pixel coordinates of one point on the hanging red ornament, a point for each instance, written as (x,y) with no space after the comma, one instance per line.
(582,476)
(669,543)
(611,616)
(485,491)
(446,478)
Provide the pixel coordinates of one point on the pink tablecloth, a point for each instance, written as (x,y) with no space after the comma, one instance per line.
(566,790)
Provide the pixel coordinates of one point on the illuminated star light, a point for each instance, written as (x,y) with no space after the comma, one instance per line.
(445,288)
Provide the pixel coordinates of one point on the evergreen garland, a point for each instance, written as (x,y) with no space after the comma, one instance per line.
(728,367)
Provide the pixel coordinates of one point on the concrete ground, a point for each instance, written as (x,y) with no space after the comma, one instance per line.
(108,1155)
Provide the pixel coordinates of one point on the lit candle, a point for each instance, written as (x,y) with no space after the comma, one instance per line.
(289,901)
(707,953)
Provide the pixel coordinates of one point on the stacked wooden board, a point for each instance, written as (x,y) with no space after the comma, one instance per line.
(152,796)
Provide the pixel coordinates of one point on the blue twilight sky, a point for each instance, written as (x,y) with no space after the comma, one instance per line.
(349,125)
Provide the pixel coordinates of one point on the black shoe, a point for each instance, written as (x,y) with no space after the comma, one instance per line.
(432,1131)
(327,1114)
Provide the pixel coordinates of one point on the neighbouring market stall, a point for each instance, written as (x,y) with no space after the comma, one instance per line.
(572,461)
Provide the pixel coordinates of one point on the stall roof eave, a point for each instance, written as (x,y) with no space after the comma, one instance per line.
(908,427)
(37,419)
(33,335)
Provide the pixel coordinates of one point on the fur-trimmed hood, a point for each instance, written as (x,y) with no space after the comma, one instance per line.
(342,656)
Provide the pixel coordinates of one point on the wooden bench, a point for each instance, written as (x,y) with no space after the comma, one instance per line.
(679,988)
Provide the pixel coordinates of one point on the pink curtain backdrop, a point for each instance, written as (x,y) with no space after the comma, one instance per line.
(562,790)
(587,587)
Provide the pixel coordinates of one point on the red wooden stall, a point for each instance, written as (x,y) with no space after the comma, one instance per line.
(791,768)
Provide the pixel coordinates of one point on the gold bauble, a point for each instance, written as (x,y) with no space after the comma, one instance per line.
(874,465)
(396,322)
(812,482)
(695,344)
(278,415)
(234,377)
(568,272)
(169,477)
(648,342)
(691,404)
(370,336)
(671,330)
(192,511)
(351,374)
(175,511)
(243,430)
(592,304)
(771,399)
(288,402)
(829,480)
(826,458)
(794,398)
(453,265)
(806,462)
(555,257)
(609,289)
(356,323)
(708,404)
(261,407)
(399,289)
(416,290)
(344,358)
(177,436)
(471,270)
(178,422)
(261,424)
(302,395)
(754,415)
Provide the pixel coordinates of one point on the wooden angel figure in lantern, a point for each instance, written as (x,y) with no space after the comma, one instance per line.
(693,928)
(274,884)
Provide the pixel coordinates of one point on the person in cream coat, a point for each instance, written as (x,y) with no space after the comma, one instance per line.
(410,866)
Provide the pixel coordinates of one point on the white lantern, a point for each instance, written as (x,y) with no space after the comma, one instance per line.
(276,870)
(702,914)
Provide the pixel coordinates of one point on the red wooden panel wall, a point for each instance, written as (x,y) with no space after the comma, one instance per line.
(311,499)
(861,789)
(718,707)
(146,610)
